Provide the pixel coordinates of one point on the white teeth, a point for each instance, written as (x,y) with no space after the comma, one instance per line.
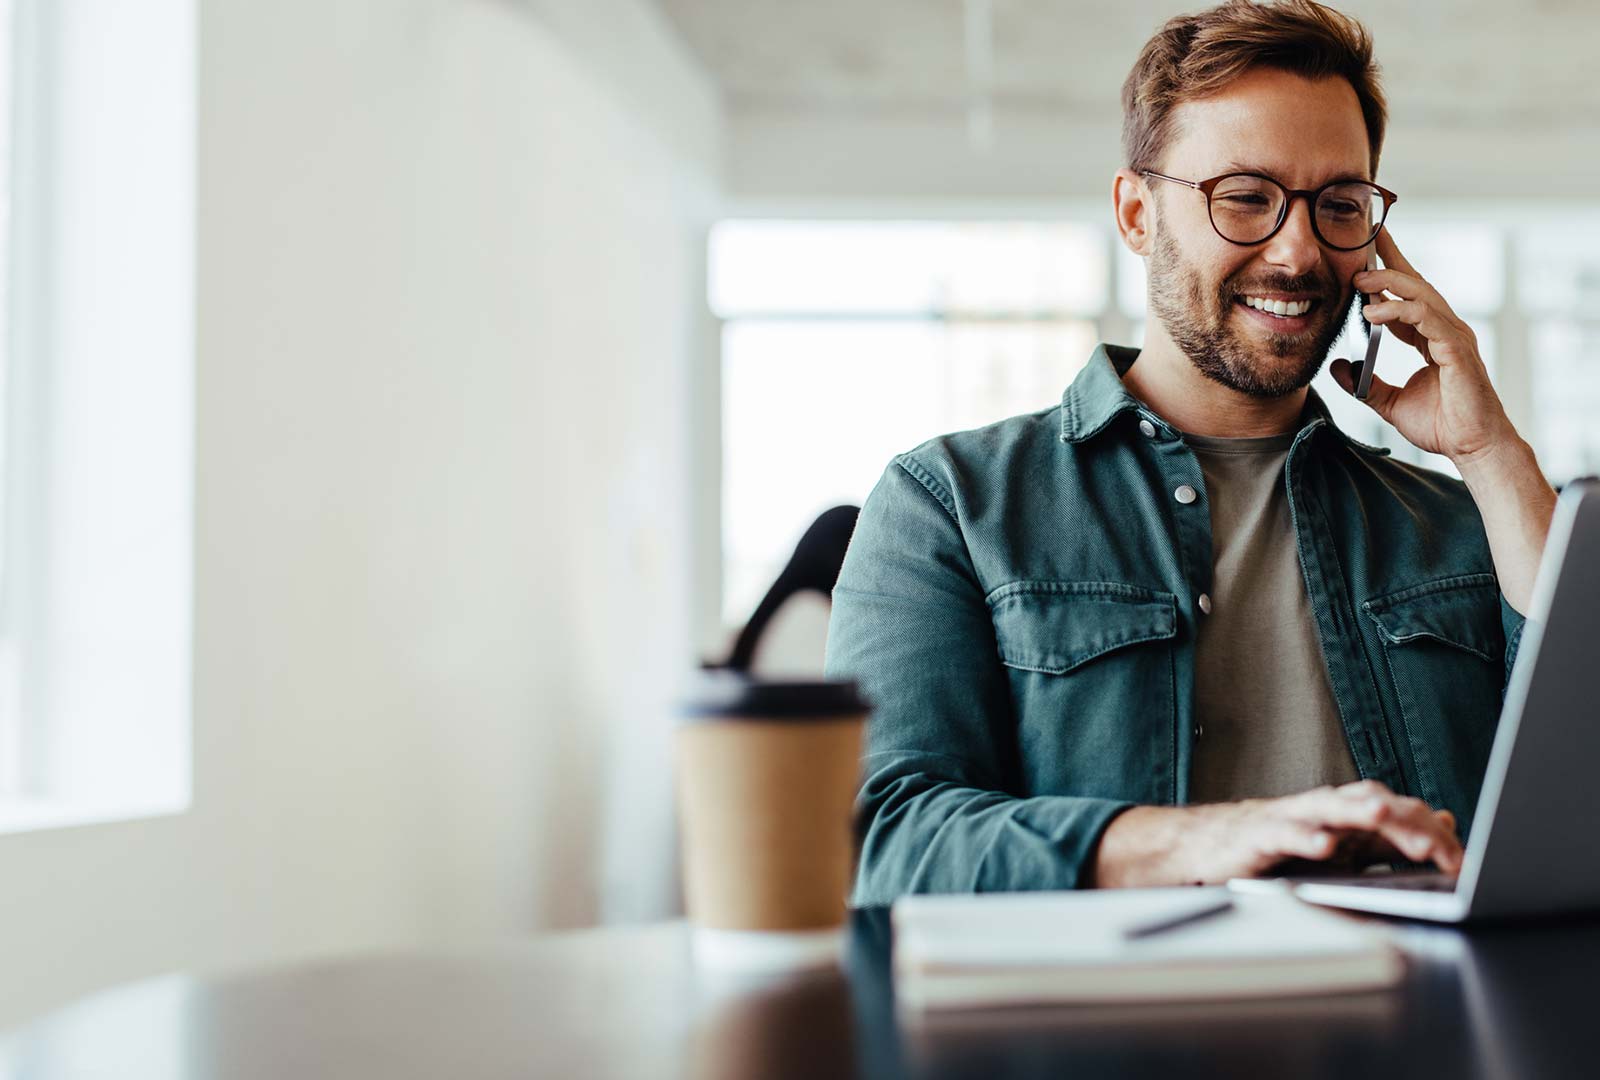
(1279,307)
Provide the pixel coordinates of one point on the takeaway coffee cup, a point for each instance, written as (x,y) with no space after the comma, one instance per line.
(766,775)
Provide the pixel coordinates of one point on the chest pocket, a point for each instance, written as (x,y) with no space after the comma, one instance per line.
(1092,684)
(1445,649)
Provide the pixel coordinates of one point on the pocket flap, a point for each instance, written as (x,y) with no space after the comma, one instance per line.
(1054,626)
(1460,611)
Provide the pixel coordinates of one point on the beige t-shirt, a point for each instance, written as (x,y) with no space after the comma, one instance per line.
(1267,720)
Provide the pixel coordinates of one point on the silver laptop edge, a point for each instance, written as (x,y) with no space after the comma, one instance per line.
(1457,906)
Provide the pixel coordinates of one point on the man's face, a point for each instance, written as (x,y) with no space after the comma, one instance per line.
(1302,133)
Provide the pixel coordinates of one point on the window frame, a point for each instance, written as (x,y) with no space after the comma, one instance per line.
(98,426)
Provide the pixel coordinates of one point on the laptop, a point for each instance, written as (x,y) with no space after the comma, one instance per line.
(1532,847)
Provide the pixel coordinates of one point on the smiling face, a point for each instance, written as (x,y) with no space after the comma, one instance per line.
(1302,133)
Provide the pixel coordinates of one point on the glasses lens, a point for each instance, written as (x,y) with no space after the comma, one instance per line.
(1245,209)
(1348,215)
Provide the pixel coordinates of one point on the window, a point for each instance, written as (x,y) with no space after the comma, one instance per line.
(10,732)
(1558,278)
(96,416)
(847,342)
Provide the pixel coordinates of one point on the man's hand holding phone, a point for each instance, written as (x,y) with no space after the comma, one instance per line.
(1448,406)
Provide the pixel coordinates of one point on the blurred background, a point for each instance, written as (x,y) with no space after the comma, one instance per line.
(399,397)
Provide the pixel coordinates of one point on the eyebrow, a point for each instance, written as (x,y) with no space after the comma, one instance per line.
(1240,166)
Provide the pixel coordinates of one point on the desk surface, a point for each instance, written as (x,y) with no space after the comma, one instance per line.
(1492,1002)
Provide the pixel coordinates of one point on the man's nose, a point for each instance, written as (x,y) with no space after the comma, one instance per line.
(1295,247)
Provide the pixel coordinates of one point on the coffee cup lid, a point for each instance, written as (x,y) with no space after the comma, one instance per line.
(724,692)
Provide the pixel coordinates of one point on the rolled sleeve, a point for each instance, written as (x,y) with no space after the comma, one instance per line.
(938,809)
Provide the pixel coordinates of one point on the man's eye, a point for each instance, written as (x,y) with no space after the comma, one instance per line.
(1341,209)
(1250,201)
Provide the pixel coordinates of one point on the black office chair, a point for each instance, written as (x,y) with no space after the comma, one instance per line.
(814,565)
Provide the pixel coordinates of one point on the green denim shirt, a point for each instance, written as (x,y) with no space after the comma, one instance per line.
(1020,603)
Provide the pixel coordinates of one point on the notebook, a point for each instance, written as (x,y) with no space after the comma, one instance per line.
(965,951)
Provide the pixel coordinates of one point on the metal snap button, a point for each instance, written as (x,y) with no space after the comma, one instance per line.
(1205,604)
(1185,494)
(1147,429)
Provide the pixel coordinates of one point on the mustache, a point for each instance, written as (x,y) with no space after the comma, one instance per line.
(1318,287)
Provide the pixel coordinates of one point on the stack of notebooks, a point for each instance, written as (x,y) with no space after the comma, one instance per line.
(1099,946)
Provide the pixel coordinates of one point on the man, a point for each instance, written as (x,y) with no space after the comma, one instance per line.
(1180,628)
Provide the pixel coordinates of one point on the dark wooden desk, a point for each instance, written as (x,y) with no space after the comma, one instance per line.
(1495,1002)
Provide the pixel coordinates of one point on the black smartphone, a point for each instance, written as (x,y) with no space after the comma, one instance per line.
(1362,369)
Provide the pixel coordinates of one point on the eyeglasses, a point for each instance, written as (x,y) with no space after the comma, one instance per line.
(1248,208)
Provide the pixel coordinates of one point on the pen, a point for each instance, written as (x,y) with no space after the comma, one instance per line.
(1182,918)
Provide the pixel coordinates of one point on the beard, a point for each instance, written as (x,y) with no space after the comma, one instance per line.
(1201,326)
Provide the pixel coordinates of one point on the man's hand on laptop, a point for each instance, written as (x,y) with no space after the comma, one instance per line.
(1352,825)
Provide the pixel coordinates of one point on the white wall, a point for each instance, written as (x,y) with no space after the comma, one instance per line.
(449,295)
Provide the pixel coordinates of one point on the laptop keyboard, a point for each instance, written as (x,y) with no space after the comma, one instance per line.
(1425,882)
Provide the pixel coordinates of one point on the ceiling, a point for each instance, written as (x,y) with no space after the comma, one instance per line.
(1447,63)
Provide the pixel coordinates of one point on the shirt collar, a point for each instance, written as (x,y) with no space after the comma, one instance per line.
(1097,396)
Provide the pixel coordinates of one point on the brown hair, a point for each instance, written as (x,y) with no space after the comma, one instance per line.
(1192,56)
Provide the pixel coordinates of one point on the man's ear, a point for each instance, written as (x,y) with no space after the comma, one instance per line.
(1135,216)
